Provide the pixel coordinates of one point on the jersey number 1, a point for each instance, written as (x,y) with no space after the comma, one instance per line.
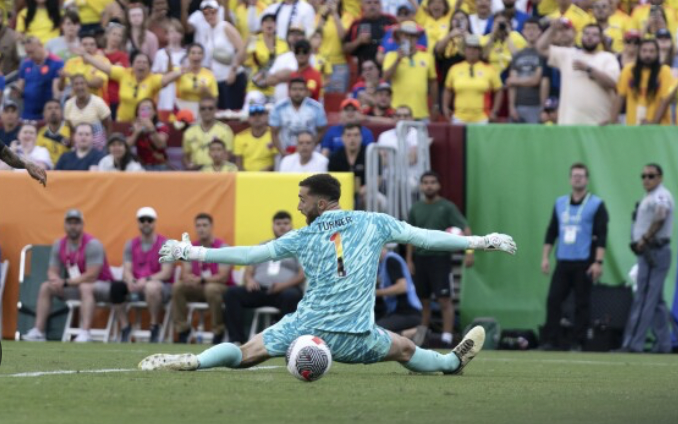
(339,250)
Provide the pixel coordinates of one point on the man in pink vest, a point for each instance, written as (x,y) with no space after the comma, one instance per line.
(145,278)
(78,269)
(201,282)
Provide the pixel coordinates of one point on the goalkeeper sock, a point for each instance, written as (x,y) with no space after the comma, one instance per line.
(222,355)
(430,361)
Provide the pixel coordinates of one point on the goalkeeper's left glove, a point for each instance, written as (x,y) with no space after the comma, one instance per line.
(173,250)
(494,241)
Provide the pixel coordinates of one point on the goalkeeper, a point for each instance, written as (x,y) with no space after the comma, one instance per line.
(339,251)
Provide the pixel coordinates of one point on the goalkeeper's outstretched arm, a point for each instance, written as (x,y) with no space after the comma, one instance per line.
(183,250)
(441,240)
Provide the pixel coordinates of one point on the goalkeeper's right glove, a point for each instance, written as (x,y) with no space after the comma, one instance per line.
(494,241)
(173,250)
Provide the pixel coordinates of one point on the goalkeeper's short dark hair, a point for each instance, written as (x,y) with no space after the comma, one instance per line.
(323,185)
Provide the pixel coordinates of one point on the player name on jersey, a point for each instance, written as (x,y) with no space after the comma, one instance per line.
(331,225)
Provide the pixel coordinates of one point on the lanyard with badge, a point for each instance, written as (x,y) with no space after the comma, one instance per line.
(570,231)
(72,263)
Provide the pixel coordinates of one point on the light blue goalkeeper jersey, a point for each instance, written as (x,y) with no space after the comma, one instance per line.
(340,252)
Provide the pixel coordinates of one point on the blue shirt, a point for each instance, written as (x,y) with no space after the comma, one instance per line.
(8,137)
(332,138)
(340,253)
(69,161)
(309,117)
(38,85)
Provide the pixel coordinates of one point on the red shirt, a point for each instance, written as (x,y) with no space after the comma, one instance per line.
(388,113)
(147,152)
(314,81)
(119,58)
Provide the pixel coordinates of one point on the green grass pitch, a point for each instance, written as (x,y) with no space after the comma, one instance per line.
(497,387)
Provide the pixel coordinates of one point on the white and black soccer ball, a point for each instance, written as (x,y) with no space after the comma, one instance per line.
(308,358)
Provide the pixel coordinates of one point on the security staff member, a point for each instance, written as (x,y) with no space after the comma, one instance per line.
(651,232)
(579,222)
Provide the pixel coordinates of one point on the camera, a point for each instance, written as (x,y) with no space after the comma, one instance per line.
(502,26)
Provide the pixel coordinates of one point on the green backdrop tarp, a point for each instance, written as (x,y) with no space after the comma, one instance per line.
(515,173)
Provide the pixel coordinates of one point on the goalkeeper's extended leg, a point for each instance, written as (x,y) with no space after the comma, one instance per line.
(422,360)
(222,355)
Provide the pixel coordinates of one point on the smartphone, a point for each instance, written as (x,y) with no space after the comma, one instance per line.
(365,28)
(502,26)
(405,46)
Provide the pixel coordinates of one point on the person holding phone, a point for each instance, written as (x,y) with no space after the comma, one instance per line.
(149,135)
(365,34)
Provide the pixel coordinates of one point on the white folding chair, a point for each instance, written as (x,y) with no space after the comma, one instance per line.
(264,313)
(4,267)
(97,334)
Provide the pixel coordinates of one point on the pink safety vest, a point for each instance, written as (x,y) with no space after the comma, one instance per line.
(78,258)
(145,264)
(198,267)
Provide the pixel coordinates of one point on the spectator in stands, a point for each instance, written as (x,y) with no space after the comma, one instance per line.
(25,146)
(365,89)
(332,22)
(579,222)
(198,137)
(9,55)
(10,122)
(613,30)
(119,157)
(170,58)
(90,12)
(295,114)
(84,157)
(253,147)
(38,78)
(479,21)
(431,270)
(524,79)
(381,112)
(96,79)
(145,278)
(149,135)
(365,34)
(450,49)
(78,269)
(262,54)
(115,34)
(516,18)
(198,25)
(274,283)
(468,83)
(649,17)
(395,288)
(85,107)
(667,50)
(501,43)
(201,282)
(139,38)
(291,13)
(219,156)
(390,139)
(306,158)
(279,75)
(435,18)
(564,37)
(313,78)
(332,141)
(351,158)
(70,27)
(40,19)
(549,114)
(225,53)
(114,12)
(412,74)
(197,82)
(393,38)
(578,17)
(55,135)
(136,83)
(589,71)
(631,45)
(642,86)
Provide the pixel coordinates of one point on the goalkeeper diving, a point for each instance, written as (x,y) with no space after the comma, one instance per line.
(339,252)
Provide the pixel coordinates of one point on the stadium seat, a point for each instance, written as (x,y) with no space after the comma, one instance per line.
(265,313)
(29,286)
(198,333)
(4,266)
(98,334)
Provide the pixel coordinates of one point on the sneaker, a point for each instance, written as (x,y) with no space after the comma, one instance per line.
(155,333)
(163,361)
(183,336)
(125,333)
(420,336)
(34,335)
(469,347)
(83,337)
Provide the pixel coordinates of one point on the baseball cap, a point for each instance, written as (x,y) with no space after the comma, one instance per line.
(297,28)
(631,34)
(74,214)
(566,23)
(350,102)
(209,4)
(9,103)
(147,212)
(405,5)
(185,115)
(116,137)
(409,27)
(384,86)
(662,33)
(472,41)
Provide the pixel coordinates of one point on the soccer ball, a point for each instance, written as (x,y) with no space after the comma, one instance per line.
(308,358)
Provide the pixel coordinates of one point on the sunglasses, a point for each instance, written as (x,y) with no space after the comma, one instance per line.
(206,107)
(257,110)
(649,176)
(632,41)
(302,51)
(146,220)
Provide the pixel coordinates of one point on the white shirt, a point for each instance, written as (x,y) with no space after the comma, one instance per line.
(285,61)
(38,154)
(169,93)
(199,23)
(106,164)
(304,16)
(478,25)
(292,163)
